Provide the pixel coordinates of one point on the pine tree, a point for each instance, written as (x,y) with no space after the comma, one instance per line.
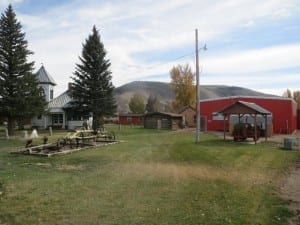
(92,88)
(19,93)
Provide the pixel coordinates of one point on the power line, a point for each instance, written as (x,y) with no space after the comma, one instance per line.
(172,60)
(165,62)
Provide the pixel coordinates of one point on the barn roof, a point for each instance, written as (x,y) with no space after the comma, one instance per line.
(44,77)
(241,107)
(249,97)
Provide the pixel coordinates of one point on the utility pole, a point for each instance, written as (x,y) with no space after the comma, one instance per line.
(197,91)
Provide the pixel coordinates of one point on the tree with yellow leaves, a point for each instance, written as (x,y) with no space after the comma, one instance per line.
(137,104)
(182,81)
(296,97)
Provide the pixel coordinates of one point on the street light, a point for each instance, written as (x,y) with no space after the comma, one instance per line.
(198,88)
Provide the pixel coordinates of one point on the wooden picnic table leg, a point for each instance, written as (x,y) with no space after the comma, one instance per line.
(77,142)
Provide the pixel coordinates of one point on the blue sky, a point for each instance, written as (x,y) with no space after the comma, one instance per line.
(251,43)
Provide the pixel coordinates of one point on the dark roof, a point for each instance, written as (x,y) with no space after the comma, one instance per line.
(164,114)
(60,101)
(241,107)
(185,108)
(131,114)
(44,77)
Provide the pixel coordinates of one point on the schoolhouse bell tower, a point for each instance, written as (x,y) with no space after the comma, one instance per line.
(46,83)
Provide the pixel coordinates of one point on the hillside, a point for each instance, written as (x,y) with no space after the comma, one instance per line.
(165,92)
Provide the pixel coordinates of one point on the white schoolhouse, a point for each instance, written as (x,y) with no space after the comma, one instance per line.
(60,113)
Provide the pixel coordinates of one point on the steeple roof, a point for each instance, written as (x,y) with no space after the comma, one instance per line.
(44,77)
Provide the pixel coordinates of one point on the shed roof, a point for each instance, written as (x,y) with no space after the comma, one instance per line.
(181,110)
(132,114)
(44,77)
(241,107)
(164,114)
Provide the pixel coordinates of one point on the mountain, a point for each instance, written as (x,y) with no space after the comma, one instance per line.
(165,93)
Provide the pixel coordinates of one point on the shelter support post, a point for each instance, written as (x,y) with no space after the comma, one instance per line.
(266,127)
(224,126)
(255,129)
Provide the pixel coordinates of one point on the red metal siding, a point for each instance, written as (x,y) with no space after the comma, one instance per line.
(298,118)
(131,120)
(284,112)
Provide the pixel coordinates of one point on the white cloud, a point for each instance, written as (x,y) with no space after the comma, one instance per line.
(135,27)
(265,59)
(257,79)
(6,2)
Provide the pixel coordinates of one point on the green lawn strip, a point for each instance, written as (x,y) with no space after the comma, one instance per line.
(132,198)
(153,177)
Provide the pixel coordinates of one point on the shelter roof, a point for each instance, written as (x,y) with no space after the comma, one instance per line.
(44,77)
(241,107)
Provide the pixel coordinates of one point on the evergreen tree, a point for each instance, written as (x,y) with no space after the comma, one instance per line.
(19,93)
(92,88)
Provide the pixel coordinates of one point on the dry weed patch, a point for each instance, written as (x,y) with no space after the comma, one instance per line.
(180,172)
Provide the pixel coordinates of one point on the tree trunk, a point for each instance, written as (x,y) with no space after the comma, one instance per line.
(96,125)
(20,124)
(98,122)
(11,126)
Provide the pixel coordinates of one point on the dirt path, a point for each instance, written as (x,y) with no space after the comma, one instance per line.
(291,187)
(291,192)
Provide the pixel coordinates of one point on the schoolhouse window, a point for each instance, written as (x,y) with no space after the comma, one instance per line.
(51,94)
(42,92)
(57,118)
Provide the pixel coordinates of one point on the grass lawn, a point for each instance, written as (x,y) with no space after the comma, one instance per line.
(152,177)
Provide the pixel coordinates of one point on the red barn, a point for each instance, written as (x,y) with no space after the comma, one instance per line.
(131,119)
(283,119)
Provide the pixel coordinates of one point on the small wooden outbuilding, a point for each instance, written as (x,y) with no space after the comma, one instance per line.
(242,108)
(162,120)
(189,115)
(131,119)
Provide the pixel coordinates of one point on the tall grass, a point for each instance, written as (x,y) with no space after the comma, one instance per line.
(151,177)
